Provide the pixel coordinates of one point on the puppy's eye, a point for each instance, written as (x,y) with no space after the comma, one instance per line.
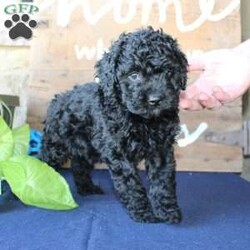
(134,76)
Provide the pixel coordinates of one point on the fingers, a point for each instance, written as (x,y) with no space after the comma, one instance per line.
(198,102)
(209,102)
(220,95)
(190,104)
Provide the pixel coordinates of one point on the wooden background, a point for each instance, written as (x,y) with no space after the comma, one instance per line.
(62,53)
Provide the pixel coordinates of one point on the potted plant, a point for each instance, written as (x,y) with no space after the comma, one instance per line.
(31,180)
(8,104)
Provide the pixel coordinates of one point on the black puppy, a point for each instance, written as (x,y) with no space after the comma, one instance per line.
(131,115)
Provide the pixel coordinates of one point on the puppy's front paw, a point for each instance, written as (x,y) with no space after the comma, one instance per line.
(144,217)
(170,215)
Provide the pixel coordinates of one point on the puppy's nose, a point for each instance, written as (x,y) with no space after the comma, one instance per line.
(154,100)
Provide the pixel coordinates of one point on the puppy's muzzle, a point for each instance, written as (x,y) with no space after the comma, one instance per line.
(154,100)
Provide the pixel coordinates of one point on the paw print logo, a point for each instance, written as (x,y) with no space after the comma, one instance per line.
(20,26)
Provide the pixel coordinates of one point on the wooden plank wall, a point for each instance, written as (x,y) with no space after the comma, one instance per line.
(14,67)
(72,34)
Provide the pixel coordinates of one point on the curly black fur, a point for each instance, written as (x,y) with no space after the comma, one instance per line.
(131,115)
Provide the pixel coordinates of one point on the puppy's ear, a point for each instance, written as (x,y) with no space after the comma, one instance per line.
(182,68)
(106,67)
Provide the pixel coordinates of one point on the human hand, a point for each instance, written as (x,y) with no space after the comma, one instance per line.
(225,77)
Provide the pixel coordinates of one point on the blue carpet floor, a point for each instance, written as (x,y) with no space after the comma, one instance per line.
(216,209)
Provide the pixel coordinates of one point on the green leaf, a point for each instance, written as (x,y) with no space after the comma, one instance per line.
(6,141)
(37,184)
(21,137)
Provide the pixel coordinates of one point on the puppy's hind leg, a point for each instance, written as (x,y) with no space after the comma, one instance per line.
(53,154)
(82,177)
